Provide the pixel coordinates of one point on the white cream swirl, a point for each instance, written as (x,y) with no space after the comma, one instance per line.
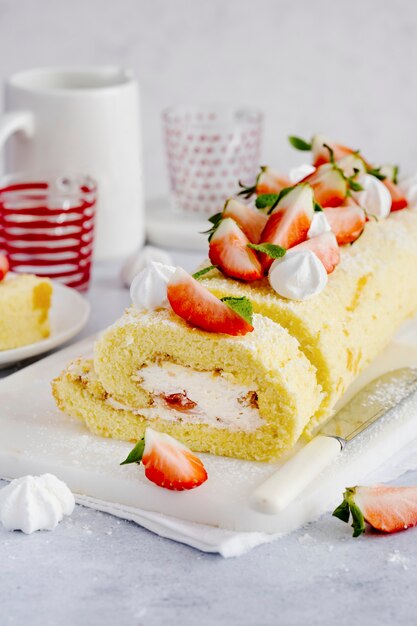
(35,503)
(319,225)
(374,198)
(299,275)
(139,259)
(149,288)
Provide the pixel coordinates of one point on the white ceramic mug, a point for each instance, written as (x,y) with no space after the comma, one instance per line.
(82,121)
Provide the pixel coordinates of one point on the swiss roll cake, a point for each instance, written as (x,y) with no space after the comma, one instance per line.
(232,396)
(309,277)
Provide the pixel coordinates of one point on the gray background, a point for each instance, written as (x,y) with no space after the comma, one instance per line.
(346,69)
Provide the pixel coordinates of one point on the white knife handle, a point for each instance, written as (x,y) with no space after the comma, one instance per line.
(280,489)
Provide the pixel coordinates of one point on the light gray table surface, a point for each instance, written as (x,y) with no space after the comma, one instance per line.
(96,569)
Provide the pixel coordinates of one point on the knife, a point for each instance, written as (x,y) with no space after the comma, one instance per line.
(372,403)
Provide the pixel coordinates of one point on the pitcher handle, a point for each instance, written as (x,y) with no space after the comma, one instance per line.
(16,121)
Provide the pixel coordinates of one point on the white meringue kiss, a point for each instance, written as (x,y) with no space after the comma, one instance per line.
(298,173)
(319,225)
(375,197)
(299,275)
(137,261)
(35,503)
(408,186)
(149,288)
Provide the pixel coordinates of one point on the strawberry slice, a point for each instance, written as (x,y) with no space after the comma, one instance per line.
(229,250)
(346,221)
(199,307)
(250,220)
(267,181)
(329,185)
(289,221)
(4,266)
(168,462)
(387,509)
(399,201)
(325,246)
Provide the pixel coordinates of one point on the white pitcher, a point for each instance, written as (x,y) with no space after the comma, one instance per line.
(82,121)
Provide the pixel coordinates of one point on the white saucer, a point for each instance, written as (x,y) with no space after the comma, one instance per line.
(69,314)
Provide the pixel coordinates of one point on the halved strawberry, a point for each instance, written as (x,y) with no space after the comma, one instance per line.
(250,220)
(399,201)
(387,509)
(197,305)
(325,246)
(329,184)
(346,221)
(321,153)
(267,181)
(229,250)
(4,266)
(168,462)
(289,221)
(270,181)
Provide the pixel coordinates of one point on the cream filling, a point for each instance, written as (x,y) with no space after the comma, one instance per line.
(181,394)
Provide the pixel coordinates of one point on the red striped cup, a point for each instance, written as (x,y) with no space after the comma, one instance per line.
(47,227)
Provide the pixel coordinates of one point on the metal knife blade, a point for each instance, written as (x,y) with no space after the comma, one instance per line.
(371,403)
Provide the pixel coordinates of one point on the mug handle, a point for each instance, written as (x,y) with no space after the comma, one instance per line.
(16,121)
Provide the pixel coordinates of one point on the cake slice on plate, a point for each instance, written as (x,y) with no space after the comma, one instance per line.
(25,301)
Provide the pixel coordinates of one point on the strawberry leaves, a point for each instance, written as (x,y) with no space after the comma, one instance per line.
(349,508)
(215,221)
(135,455)
(242,306)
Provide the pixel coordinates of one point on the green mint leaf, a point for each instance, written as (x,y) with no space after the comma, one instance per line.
(242,306)
(266,200)
(299,144)
(395,171)
(135,456)
(275,252)
(202,272)
(317,207)
(270,200)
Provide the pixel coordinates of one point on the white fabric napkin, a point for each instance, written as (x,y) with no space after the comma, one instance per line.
(228,543)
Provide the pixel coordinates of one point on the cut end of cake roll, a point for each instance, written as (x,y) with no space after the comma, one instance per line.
(248,397)
(25,301)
